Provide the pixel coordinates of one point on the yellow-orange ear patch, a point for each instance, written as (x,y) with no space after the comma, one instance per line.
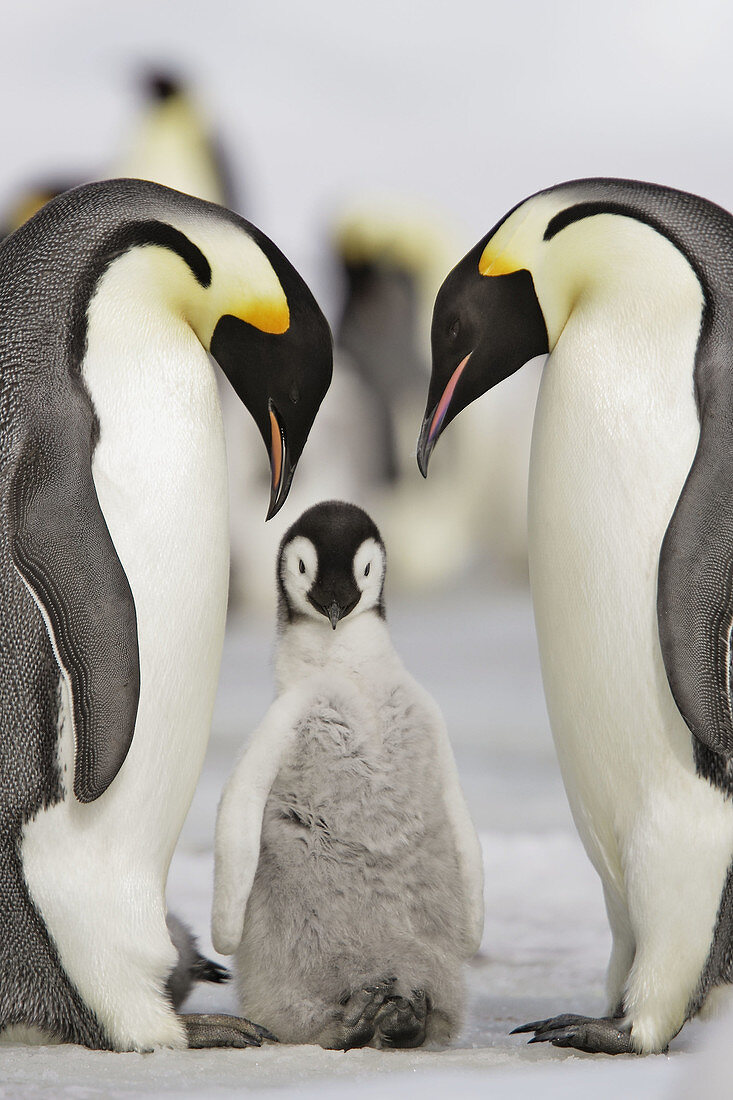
(266,315)
(492,263)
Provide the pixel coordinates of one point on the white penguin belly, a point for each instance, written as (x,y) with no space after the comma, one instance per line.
(97,872)
(614,438)
(162,488)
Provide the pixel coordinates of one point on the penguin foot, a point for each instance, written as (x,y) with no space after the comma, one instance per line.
(594,1036)
(377,1011)
(208,1029)
(359,1015)
(403,1022)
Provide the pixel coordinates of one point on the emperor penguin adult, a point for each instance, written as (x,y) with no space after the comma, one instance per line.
(113,576)
(629,286)
(349,877)
(174,143)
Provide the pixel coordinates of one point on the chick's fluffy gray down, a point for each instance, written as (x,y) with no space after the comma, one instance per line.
(358,877)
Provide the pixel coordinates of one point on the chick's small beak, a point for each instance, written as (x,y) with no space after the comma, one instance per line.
(433,422)
(280,466)
(334,613)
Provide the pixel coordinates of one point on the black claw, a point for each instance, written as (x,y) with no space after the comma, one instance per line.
(567,1019)
(265,1034)
(594,1036)
(206,970)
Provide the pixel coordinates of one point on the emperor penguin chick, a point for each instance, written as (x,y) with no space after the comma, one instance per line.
(349,879)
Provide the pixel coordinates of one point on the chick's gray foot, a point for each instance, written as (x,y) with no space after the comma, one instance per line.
(208,1029)
(359,1015)
(403,1022)
(377,1013)
(594,1036)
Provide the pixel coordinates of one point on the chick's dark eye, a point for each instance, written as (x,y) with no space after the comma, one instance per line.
(301,566)
(454,329)
(368,567)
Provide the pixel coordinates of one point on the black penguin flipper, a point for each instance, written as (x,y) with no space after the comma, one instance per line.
(695,598)
(63,550)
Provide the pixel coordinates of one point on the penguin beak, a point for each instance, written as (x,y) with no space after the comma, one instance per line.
(280,466)
(333,611)
(434,419)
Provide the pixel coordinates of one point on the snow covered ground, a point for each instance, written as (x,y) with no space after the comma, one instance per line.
(546,939)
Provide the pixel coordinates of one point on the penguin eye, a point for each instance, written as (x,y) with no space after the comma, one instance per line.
(301,565)
(368,567)
(454,329)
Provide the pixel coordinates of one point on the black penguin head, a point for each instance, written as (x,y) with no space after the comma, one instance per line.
(280,371)
(485,327)
(331,564)
(235,290)
(161,84)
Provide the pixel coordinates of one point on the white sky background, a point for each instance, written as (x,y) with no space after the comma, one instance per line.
(469,105)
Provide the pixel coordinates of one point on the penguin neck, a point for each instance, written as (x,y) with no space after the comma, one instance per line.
(153,389)
(614,268)
(137,332)
(619,381)
(359,646)
(190,273)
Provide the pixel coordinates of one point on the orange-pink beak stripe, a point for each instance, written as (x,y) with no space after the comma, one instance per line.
(442,409)
(276,451)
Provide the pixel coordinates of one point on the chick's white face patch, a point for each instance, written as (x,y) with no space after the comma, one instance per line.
(298,570)
(369,566)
